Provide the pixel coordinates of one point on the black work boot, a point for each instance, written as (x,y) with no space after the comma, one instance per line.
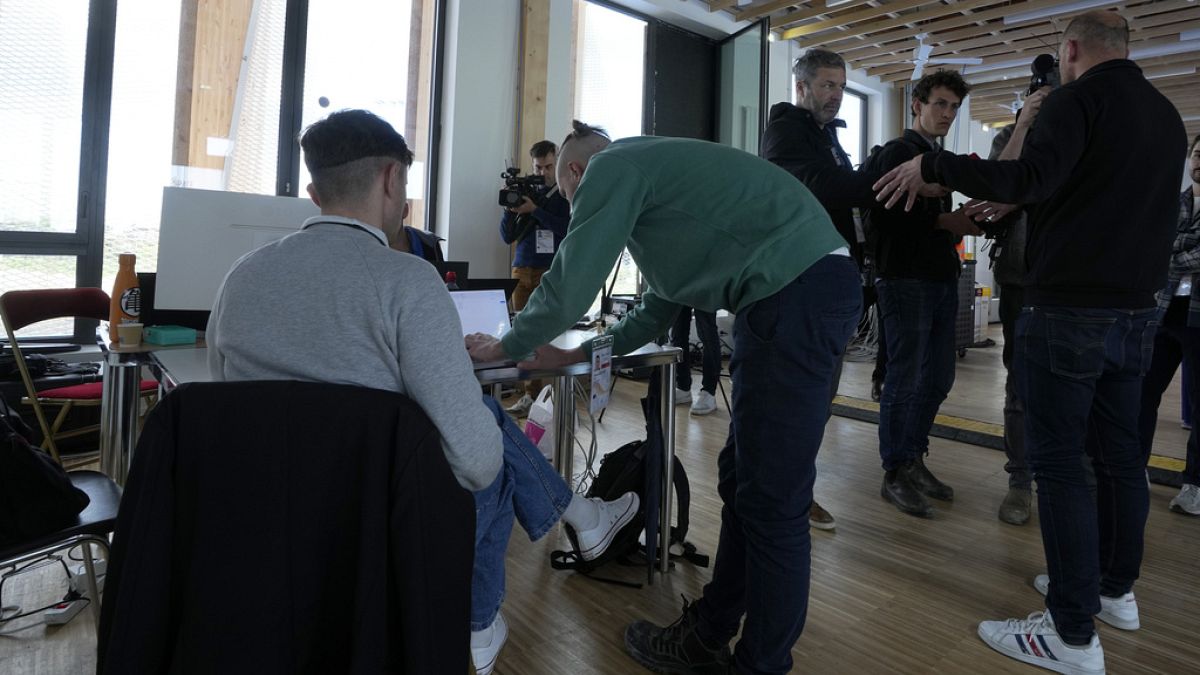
(899,490)
(927,483)
(676,649)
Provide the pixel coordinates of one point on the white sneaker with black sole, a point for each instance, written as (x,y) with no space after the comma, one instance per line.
(683,396)
(521,407)
(1119,612)
(486,645)
(613,516)
(704,403)
(1035,641)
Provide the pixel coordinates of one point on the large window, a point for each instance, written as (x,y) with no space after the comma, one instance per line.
(204,93)
(854,137)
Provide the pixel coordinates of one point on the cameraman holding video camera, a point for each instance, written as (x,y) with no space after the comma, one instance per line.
(535,218)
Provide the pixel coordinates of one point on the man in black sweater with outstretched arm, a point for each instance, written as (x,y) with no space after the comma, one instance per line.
(1100,171)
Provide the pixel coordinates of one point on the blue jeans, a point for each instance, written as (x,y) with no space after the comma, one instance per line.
(919,325)
(1080,374)
(706,327)
(785,349)
(528,488)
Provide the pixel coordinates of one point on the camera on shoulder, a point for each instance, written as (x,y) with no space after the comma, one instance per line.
(517,187)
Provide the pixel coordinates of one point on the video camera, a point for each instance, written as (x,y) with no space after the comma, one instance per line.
(518,187)
(1045,73)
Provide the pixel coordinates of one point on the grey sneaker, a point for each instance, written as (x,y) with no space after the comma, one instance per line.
(683,396)
(1014,510)
(1187,501)
(521,407)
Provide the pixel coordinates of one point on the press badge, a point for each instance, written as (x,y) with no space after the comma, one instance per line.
(602,348)
(545,241)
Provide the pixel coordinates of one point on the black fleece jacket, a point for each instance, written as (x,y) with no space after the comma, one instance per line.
(794,142)
(1101,167)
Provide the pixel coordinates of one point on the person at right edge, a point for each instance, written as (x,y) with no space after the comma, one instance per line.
(1100,169)
(1178,336)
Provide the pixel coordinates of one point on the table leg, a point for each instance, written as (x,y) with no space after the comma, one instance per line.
(564,427)
(666,379)
(118,416)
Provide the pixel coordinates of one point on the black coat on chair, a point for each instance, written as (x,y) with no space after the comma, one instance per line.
(288,527)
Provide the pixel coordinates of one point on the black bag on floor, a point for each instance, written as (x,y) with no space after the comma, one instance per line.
(36,495)
(637,467)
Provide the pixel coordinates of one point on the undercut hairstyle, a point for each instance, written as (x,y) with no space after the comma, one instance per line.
(580,131)
(543,148)
(949,79)
(346,151)
(1105,31)
(805,68)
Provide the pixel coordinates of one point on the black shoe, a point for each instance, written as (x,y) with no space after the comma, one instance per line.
(876,390)
(675,649)
(927,483)
(899,490)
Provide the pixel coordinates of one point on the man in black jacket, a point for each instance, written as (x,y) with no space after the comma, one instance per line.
(1101,167)
(918,268)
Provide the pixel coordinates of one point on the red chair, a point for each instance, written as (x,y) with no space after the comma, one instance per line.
(23,308)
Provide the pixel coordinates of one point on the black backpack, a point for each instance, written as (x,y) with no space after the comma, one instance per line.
(636,467)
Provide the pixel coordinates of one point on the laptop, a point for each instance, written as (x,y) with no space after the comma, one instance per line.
(483,312)
(507,285)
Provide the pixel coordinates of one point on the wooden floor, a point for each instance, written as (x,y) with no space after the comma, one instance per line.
(890,593)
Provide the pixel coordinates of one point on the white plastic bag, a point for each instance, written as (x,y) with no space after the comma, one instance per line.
(539,427)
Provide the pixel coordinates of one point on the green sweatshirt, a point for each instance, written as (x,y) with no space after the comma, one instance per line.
(710,227)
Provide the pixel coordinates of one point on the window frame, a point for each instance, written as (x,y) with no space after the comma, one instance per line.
(864,143)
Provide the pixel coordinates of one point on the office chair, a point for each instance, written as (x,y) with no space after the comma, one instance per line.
(19,309)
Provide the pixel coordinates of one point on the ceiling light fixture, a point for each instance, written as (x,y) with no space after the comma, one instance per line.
(1168,49)
(1170,72)
(1047,12)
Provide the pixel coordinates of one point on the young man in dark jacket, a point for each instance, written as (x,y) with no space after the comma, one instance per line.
(918,268)
(1101,167)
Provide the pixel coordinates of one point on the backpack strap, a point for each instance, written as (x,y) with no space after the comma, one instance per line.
(570,560)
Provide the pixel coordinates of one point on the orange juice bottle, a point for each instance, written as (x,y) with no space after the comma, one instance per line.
(126,302)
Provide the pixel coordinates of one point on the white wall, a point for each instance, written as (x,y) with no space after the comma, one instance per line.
(478,113)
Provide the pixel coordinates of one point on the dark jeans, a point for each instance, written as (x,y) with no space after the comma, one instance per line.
(1012,299)
(881,355)
(1080,372)
(1173,343)
(710,341)
(785,348)
(919,316)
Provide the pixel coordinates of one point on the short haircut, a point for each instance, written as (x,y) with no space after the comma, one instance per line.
(346,151)
(949,79)
(1193,145)
(542,149)
(1107,31)
(805,68)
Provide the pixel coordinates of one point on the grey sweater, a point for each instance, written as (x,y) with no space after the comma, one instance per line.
(332,303)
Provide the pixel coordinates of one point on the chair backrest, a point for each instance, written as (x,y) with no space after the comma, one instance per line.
(23,308)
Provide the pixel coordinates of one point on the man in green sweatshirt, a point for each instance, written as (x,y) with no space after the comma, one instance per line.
(713,227)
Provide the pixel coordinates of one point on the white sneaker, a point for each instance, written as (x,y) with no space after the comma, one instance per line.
(613,516)
(683,396)
(521,407)
(1119,612)
(486,645)
(704,403)
(1034,641)
(1187,501)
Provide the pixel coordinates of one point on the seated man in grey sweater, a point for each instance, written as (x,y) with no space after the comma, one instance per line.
(333,303)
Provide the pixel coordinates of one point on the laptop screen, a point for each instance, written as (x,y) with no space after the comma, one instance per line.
(482,311)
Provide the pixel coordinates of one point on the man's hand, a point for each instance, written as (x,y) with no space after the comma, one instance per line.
(1033,103)
(904,180)
(527,206)
(990,212)
(958,224)
(484,348)
(549,357)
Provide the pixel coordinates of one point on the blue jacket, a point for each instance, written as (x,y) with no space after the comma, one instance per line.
(553,215)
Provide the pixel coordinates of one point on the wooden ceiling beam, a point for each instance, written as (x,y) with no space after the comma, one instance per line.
(818,6)
(936,28)
(936,10)
(718,5)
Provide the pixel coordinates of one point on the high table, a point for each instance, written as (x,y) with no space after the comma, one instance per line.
(173,367)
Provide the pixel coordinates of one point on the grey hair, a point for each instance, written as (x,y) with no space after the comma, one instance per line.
(805,67)
(1104,30)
